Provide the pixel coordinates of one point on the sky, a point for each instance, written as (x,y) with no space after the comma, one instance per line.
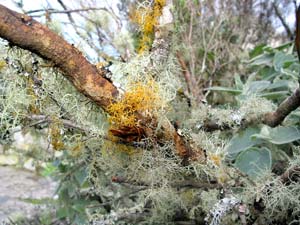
(40,4)
(68,30)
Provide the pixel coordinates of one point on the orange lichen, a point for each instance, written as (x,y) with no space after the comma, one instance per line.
(142,99)
(147,18)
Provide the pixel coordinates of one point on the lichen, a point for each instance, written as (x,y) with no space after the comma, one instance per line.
(146,16)
(141,98)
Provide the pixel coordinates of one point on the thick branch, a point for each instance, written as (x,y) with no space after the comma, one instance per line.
(23,31)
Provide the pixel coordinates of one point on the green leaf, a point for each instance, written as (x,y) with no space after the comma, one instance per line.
(254,161)
(242,141)
(81,176)
(238,82)
(278,135)
(286,45)
(258,50)
(279,84)
(274,94)
(35,201)
(80,219)
(265,59)
(256,87)
(49,170)
(280,59)
(62,212)
(230,90)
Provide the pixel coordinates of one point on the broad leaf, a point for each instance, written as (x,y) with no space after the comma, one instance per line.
(280,59)
(278,135)
(254,161)
(242,141)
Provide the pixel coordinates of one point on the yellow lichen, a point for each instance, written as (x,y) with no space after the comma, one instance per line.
(147,17)
(142,98)
(55,134)
(2,64)
(215,158)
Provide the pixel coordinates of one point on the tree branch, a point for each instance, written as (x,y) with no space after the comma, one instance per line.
(282,20)
(273,119)
(66,11)
(23,31)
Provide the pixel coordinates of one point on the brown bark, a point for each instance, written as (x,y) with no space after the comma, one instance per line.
(297,39)
(275,118)
(23,31)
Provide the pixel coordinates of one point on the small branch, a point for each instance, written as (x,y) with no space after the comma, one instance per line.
(290,175)
(21,30)
(189,79)
(179,184)
(273,119)
(185,70)
(55,11)
(67,123)
(282,20)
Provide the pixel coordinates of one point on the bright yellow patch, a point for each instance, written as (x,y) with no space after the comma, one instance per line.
(147,18)
(142,98)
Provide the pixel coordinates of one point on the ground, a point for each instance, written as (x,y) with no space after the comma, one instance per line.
(17,184)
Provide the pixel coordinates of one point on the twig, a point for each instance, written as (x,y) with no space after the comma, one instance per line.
(67,123)
(273,119)
(65,11)
(190,80)
(178,184)
(289,175)
(282,20)
(119,198)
